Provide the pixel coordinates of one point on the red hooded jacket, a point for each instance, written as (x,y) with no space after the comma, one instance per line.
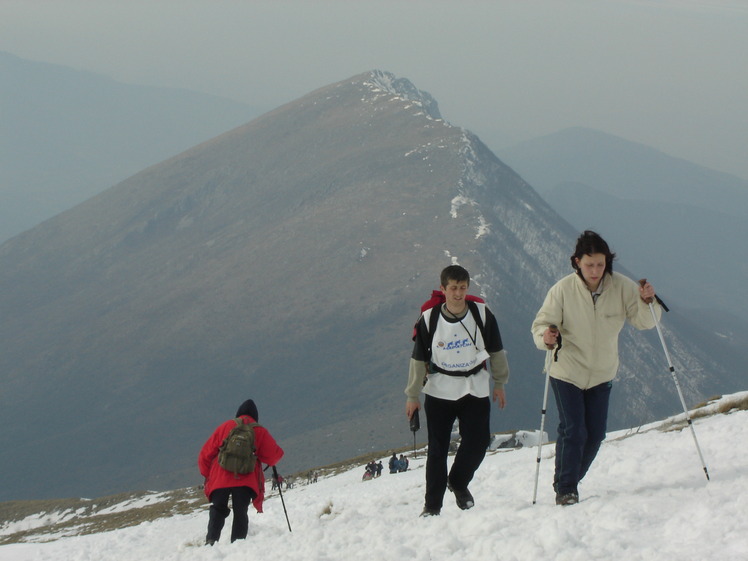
(268,452)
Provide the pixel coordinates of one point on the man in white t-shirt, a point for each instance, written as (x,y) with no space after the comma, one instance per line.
(455,360)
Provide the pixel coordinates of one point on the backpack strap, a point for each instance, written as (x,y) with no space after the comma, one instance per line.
(477,317)
(434,314)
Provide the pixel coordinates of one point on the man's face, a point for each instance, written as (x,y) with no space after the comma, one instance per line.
(455,293)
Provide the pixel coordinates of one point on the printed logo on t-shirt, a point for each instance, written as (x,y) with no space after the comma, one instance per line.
(452,345)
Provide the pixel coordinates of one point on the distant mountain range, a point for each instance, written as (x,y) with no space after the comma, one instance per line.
(286,261)
(66,135)
(624,169)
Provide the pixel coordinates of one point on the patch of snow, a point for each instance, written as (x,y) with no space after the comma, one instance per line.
(483,227)
(457,202)
(38,520)
(402,89)
(134,503)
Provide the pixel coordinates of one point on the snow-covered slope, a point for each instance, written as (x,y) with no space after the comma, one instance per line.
(646,498)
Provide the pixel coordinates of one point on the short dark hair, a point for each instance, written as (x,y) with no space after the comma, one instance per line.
(455,273)
(591,242)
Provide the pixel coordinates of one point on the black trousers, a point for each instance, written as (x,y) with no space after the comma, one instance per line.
(241,497)
(473,414)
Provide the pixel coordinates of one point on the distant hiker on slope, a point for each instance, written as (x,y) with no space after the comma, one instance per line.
(393,463)
(243,488)
(452,348)
(589,307)
(402,464)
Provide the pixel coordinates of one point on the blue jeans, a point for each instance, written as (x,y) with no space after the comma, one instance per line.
(583,418)
(475,436)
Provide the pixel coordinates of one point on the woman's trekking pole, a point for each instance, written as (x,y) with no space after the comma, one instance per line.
(675,379)
(549,354)
(275,475)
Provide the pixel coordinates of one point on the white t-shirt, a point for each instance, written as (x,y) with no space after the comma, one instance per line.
(457,346)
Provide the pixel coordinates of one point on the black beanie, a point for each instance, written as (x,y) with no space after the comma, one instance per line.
(248,408)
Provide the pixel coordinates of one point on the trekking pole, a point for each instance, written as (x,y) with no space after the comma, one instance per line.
(280,493)
(415,424)
(675,379)
(549,354)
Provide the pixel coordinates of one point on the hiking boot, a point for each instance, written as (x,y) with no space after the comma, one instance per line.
(566,499)
(429,512)
(463,498)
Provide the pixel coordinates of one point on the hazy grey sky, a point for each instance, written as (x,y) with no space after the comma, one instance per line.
(670,74)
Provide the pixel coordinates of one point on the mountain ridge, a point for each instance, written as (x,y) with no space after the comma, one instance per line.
(626,169)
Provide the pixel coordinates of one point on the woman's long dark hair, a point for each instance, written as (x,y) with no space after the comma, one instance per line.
(588,243)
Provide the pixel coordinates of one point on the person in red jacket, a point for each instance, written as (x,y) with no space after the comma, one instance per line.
(220,484)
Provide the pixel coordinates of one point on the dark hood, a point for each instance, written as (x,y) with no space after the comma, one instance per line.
(248,408)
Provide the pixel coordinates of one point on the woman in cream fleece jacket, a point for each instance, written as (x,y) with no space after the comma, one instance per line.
(590,307)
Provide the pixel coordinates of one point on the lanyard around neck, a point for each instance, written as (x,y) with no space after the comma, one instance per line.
(472,336)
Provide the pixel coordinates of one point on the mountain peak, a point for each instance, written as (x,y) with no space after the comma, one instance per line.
(387,82)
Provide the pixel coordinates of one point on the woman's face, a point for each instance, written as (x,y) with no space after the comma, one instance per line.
(592,268)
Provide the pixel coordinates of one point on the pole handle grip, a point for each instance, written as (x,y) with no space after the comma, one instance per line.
(415,422)
(642,282)
(553,329)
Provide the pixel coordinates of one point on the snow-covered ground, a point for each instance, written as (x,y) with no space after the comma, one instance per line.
(645,498)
